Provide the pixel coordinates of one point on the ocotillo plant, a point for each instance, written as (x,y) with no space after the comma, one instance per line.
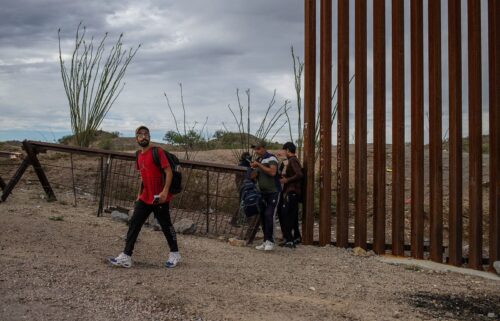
(189,139)
(298,69)
(265,129)
(93,82)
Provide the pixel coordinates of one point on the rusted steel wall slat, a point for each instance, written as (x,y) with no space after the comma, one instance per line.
(398,124)
(360,128)
(494,118)
(326,125)
(343,125)
(455,137)
(475,132)
(417,130)
(379,123)
(435,133)
(309,119)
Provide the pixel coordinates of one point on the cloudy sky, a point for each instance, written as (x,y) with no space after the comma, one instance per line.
(212,47)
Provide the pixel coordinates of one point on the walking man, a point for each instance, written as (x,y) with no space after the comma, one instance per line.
(266,174)
(153,197)
(288,210)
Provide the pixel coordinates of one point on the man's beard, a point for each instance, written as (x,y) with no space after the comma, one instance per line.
(143,143)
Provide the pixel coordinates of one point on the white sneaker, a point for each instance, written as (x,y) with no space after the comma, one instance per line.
(266,246)
(261,247)
(173,259)
(122,260)
(269,246)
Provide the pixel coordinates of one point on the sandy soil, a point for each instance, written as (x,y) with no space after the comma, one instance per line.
(56,270)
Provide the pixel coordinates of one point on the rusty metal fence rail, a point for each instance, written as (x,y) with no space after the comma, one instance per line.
(428,206)
(209,197)
(9,161)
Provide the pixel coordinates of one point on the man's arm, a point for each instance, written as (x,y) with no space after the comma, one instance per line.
(141,186)
(296,170)
(271,170)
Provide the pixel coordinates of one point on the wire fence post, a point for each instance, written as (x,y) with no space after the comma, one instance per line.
(104,178)
(73,177)
(208,201)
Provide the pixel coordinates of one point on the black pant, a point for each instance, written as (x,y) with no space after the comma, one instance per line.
(269,202)
(288,213)
(141,214)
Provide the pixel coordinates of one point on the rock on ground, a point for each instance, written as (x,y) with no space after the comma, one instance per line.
(119,216)
(496,265)
(236,242)
(185,226)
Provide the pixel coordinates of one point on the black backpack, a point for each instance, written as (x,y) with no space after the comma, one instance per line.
(250,197)
(175,165)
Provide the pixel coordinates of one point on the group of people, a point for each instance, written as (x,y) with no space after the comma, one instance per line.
(280,190)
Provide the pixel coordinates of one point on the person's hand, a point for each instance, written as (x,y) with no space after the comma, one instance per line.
(254,164)
(283,180)
(163,197)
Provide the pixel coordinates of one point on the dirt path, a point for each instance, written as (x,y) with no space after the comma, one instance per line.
(55,270)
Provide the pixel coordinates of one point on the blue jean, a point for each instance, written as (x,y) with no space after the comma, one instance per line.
(268,207)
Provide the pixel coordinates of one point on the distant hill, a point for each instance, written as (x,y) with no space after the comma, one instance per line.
(109,141)
(113,141)
(227,140)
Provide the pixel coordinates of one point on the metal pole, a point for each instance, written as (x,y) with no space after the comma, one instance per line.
(208,200)
(417,130)
(455,141)
(73,178)
(343,125)
(103,186)
(325,198)
(309,120)
(475,132)
(15,179)
(435,132)
(398,128)
(31,151)
(2,183)
(360,128)
(379,123)
(494,75)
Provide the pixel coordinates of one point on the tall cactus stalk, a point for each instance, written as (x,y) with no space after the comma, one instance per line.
(92,82)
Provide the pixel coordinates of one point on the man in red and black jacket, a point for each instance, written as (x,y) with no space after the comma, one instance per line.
(153,197)
(288,208)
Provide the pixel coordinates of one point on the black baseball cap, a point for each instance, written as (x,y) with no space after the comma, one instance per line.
(258,144)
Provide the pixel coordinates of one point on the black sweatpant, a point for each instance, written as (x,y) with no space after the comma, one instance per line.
(141,214)
(269,203)
(288,214)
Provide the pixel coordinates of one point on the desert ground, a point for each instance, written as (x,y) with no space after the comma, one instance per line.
(52,267)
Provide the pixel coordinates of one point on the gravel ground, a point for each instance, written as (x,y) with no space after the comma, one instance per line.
(52,267)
